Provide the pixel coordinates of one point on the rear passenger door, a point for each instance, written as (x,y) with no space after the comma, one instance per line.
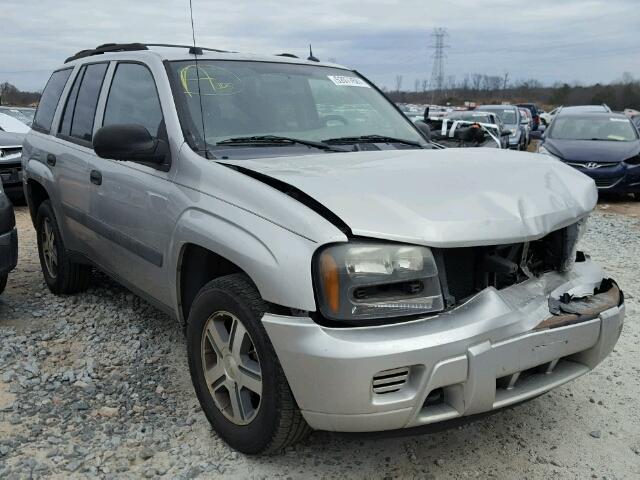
(75,131)
(129,203)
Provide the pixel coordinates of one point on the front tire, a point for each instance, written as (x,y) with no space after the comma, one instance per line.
(235,371)
(62,275)
(3,282)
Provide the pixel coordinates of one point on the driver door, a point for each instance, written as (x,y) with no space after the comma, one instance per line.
(129,201)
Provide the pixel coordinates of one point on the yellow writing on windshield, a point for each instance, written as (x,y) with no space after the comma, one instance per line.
(213,80)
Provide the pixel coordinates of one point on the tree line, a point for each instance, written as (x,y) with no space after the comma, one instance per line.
(477,87)
(11,95)
(481,88)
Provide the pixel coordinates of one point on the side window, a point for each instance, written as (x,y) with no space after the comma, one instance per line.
(49,101)
(80,110)
(133,99)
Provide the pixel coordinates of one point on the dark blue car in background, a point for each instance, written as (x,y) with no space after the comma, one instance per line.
(604,146)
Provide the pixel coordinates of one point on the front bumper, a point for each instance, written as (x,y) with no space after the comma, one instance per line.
(8,251)
(619,178)
(481,356)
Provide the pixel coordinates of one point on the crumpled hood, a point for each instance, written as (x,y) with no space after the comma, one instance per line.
(592,151)
(440,198)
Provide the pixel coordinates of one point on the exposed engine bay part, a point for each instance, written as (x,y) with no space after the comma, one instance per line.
(571,308)
(470,270)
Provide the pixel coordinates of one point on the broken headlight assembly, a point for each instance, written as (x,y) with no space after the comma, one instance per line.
(573,235)
(367,280)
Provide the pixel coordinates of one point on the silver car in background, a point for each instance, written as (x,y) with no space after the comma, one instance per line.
(332,268)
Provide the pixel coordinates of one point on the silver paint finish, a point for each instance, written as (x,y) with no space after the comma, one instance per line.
(464,350)
(446,198)
(440,198)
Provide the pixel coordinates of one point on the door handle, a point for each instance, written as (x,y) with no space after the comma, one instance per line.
(96,177)
(51,159)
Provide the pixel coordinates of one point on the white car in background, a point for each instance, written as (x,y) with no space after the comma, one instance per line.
(12,125)
(547,117)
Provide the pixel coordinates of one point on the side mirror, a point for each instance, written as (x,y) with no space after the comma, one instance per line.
(424,129)
(506,132)
(131,142)
(426,115)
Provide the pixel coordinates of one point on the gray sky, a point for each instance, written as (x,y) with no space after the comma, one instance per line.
(552,40)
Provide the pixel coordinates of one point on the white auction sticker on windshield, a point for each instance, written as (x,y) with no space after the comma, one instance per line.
(343,81)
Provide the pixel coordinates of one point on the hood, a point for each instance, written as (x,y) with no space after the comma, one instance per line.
(8,139)
(592,150)
(442,198)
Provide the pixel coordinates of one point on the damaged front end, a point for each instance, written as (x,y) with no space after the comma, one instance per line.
(582,303)
(466,271)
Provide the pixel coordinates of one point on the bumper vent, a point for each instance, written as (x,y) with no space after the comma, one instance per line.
(606,182)
(389,381)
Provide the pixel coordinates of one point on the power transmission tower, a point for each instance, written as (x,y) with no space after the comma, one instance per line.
(437,73)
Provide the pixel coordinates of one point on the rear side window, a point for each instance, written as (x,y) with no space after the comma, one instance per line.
(80,110)
(49,101)
(133,98)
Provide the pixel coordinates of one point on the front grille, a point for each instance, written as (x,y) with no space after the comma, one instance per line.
(606,182)
(593,165)
(389,381)
(10,173)
(469,270)
(6,152)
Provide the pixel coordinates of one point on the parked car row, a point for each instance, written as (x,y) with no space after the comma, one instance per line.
(315,236)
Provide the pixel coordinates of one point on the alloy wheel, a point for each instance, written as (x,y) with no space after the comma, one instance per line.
(49,248)
(231,367)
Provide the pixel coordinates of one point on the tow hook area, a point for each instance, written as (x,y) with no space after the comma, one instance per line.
(581,306)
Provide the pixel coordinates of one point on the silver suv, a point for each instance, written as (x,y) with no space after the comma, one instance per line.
(332,268)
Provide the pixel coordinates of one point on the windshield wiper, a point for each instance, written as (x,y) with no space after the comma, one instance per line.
(372,139)
(276,140)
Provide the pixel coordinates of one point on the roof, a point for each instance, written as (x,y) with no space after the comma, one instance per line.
(591,113)
(113,51)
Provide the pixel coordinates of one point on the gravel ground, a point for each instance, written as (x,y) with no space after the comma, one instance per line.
(97,385)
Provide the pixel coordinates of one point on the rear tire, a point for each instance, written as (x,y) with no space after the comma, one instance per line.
(62,275)
(3,282)
(226,316)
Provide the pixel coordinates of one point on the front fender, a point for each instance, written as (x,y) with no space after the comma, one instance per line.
(277,260)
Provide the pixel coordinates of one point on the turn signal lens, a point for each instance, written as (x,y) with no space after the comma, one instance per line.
(330,278)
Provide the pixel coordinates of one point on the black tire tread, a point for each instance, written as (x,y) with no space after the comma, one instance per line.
(72,277)
(3,282)
(292,427)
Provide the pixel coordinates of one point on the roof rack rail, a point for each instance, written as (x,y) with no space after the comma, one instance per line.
(198,50)
(289,55)
(107,48)
(132,47)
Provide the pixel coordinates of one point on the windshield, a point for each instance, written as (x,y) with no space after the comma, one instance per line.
(257,99)
(506,115)
(593,128)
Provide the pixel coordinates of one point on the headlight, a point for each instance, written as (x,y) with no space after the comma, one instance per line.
(544,151)
(362,281)
(574,234)
(633,160)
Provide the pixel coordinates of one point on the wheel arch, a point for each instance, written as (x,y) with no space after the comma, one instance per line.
(36,194)
(277,261)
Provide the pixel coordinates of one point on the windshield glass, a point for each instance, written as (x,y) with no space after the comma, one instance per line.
(593,128)
(507,115)
(311,103)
